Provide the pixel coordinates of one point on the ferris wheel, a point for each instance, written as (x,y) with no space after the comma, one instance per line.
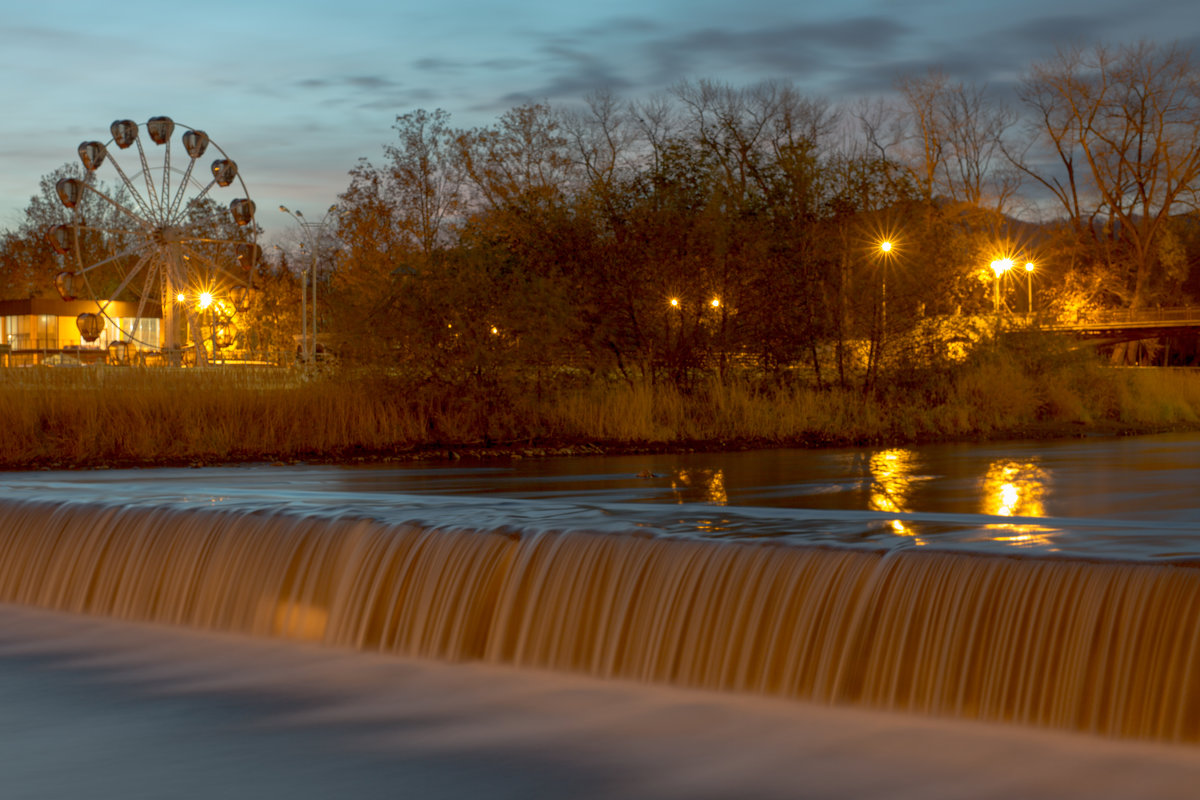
(162,243)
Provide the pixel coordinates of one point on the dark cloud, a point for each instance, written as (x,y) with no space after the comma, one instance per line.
(438,65)
(636,53)
(860,55)
(35,36)
(505,64)
(370,82)
(401,101)
(1048,32)
(575,73)
(368,93)
(622,26)
(796,48)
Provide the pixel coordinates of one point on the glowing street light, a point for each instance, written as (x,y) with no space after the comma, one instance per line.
(205,299)
(674,302)
(999,267)
(1029,283)
(716,302)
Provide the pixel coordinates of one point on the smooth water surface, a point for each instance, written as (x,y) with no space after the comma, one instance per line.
(1128,498)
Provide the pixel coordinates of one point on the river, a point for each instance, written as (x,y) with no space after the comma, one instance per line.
(785,623)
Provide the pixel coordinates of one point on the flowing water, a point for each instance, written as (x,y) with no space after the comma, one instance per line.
(1041,586)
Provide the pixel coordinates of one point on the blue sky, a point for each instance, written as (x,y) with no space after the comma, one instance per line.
(297,92)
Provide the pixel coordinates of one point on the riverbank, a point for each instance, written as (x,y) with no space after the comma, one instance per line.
(107,418)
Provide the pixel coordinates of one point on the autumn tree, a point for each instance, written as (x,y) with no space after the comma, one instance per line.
(28,263)
(271,322)
(375,259)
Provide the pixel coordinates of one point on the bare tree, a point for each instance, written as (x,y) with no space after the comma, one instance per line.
(604,138)
(522,160)
(1124,124)
(951,138)
(424,181)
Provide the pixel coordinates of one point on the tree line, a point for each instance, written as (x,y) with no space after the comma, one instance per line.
(717,227)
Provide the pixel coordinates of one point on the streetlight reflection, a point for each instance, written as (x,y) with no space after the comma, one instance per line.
(893,476)
(1016,489)
(705,485)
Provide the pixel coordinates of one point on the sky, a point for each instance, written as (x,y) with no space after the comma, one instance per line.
(297,92)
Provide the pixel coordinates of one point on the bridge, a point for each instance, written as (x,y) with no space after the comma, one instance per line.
(1125,325)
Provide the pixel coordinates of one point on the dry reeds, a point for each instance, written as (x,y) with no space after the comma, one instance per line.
(95,416)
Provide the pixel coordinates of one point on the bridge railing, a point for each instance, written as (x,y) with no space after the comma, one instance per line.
(1126,317)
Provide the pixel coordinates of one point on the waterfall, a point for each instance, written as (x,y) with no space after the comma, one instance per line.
(1097,646)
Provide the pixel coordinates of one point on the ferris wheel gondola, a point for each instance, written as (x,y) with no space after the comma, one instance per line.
(160,238)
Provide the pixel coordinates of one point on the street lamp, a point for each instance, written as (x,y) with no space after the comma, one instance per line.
(1029,283)
(313,233)
(885,251)
(999,267)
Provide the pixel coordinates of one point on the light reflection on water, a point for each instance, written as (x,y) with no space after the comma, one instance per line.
(703,486)
(1016,489)
(893,475)
(1125,498)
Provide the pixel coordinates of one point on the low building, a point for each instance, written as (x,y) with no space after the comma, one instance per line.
(33,330)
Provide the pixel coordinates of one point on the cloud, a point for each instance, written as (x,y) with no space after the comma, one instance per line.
(636,54)
(575,73)
(622,26)
(797,48)
(370,82)
(438,65)
(1040,33)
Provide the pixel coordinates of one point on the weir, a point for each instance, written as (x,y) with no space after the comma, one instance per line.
(1098,646)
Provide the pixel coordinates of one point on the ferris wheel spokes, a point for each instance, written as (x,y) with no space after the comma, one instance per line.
(195,143)
(70,192)
(142,258)
(142,202)
(147,176)
(134,333)
(215,270)
(160,129)
(160,240)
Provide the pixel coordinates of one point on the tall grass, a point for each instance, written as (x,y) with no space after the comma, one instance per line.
(98,416)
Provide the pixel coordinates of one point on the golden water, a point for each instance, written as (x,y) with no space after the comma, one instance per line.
(1096,646)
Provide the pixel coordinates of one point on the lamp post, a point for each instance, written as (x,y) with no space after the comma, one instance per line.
(885,251)
(313,233)
(999,267)
(1029,283)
